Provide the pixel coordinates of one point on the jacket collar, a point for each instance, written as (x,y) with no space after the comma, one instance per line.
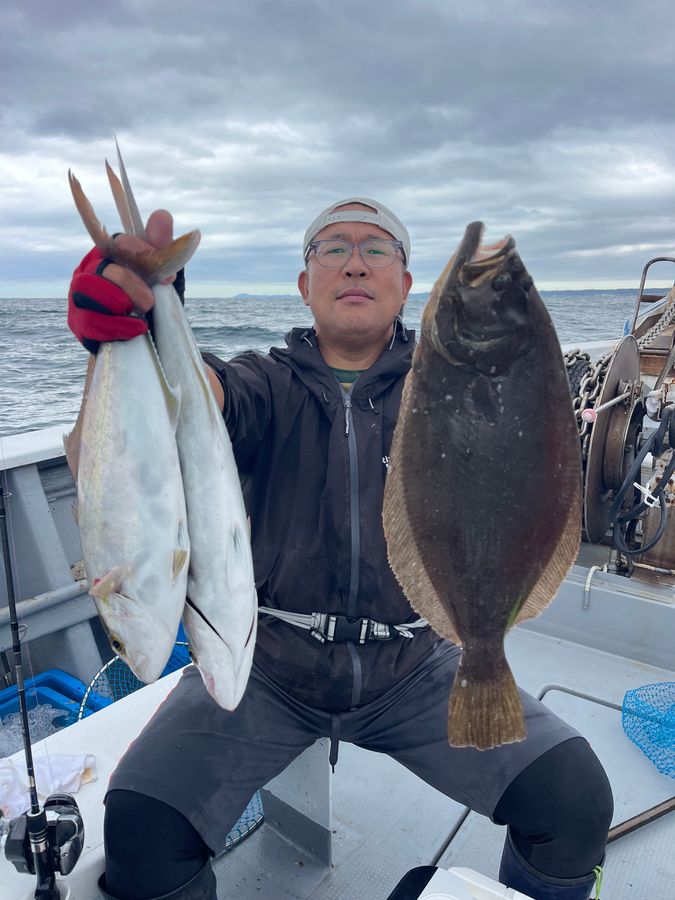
(303,356)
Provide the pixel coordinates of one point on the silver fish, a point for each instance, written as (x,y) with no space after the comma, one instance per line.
(130,506)
(220,615)
(123,456)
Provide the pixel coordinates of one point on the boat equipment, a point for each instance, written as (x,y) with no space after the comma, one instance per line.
(43,840)
(624,404)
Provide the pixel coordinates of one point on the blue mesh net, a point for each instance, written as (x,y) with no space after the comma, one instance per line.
(648,718)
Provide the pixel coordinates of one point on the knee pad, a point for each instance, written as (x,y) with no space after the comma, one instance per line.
(559,810)
(150,847)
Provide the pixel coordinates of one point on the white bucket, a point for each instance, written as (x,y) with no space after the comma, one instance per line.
(465,884)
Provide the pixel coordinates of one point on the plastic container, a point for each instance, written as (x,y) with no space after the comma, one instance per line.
(460,883)
(57,688)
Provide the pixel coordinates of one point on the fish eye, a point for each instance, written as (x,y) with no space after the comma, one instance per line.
(117,645)
(502,281)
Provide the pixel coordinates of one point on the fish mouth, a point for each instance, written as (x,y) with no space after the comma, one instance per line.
(481,317)
(473,263)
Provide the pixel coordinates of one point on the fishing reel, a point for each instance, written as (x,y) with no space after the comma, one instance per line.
(61,838)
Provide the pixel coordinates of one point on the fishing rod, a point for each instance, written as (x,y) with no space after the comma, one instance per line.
(49,839)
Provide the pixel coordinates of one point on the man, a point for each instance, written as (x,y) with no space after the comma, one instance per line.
(311,426)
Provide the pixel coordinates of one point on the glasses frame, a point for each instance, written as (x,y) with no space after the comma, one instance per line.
(314,245)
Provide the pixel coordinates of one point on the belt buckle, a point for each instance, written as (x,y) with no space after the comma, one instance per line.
(341,629)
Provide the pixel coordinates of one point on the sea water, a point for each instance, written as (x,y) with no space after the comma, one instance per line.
(42,366)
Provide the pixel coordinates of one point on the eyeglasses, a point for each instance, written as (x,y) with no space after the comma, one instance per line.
(375,252)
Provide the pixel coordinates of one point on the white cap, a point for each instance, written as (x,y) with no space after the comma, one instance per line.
(381,216)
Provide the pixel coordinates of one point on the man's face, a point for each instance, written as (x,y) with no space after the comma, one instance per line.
(354,300)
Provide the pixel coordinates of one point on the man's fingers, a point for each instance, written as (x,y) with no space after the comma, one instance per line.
(134,287)
(159,230)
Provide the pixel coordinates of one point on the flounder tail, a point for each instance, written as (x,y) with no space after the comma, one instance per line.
(484,712)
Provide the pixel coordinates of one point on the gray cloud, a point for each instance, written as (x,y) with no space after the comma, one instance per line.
(550,120)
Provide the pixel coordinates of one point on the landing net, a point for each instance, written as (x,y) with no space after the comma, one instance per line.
(648,718)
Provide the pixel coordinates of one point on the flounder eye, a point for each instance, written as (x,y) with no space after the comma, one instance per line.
(117,645)
(502,281)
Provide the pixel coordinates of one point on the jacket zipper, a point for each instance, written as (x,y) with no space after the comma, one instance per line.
(354,518)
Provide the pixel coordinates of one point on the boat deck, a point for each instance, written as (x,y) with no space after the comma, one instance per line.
(386,821)
(600,637)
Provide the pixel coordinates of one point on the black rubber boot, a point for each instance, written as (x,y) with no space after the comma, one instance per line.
(201,887)
(515,872)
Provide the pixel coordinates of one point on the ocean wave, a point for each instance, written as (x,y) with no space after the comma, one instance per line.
(43,366)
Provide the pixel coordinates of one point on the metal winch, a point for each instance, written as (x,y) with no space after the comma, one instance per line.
(624,403)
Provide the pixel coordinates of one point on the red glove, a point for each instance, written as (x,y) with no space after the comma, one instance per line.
(99,310)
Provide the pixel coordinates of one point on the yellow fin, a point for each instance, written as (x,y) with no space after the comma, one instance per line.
(96,231)
(180,559)
(120,199)
(111,583)
(137,226)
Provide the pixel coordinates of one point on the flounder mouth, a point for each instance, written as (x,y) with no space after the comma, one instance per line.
(480,318)
(475,264)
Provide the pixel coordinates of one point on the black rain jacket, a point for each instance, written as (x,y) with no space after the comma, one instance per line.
(313,460)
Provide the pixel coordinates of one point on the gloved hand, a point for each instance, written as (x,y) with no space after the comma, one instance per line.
(99,310)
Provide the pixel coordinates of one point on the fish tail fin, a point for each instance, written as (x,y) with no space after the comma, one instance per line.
(96,231)
(485,713)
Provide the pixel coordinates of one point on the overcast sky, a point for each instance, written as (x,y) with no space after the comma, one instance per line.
(552,121)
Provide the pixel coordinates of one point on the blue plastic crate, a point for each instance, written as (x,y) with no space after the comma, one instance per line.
(53,687)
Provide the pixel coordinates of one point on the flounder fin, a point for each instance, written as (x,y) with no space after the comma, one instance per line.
(96,231)
(553,574)
(72,441)
(404,557)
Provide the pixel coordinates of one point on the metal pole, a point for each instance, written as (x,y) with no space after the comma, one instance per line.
(36,819)
(643,818)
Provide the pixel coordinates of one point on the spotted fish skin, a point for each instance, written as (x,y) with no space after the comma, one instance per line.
(482,506)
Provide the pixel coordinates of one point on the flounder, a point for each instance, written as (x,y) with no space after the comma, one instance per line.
(482,506)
